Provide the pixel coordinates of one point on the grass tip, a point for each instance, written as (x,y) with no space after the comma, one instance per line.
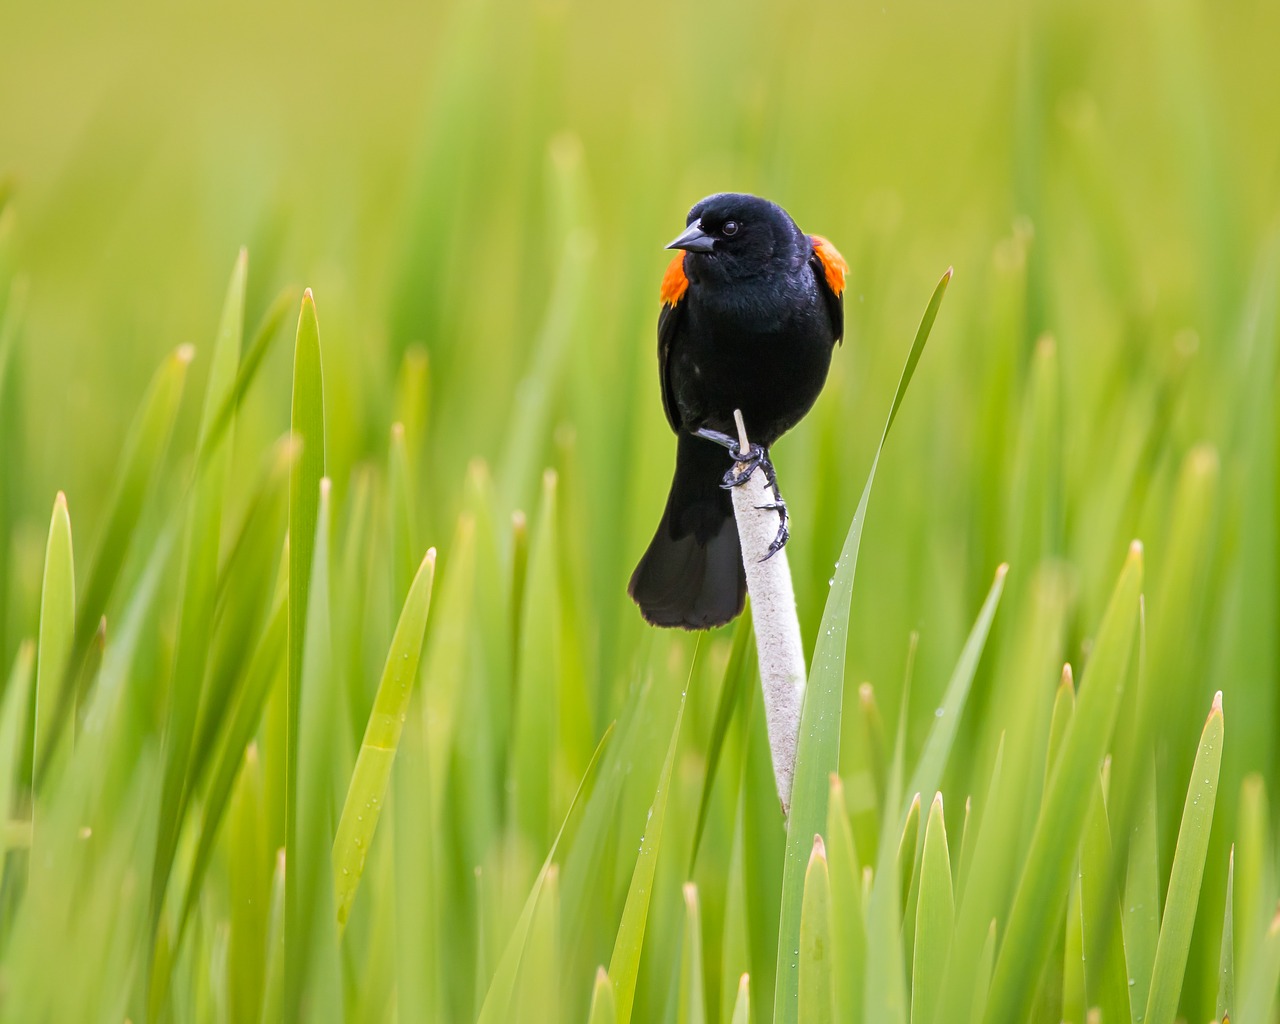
(251,752)
(915,804)
(1068,677)
(60,501)
(519,521)
(602,976)
(185,353)
(430,556)
(1216,708)
(1002,570)
(307,297)
(397,431)
(937,802)
(819,851)
(326,487)
(549,479)
(866,693)
(242,257)
(1135,550)
(949,274)
(744,982)
(691,895)
(835,783)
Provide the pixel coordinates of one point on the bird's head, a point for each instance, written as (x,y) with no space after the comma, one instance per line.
(733,235)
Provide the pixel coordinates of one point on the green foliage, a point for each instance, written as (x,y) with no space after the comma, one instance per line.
(254,768)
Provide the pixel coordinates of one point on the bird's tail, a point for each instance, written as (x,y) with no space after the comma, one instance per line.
(691,576)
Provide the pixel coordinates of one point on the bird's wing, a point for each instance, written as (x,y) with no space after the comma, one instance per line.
(674,285)
(830,269)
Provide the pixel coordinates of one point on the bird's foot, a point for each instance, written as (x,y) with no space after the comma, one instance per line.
(755,457)
(784,534)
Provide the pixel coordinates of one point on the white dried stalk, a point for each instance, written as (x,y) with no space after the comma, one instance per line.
(777,627)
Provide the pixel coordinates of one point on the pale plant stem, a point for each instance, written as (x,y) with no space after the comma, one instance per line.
(777,627)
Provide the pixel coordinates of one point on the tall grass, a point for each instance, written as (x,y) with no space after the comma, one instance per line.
(265,756)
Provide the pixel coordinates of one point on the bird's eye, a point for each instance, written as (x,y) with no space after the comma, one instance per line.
(730,228)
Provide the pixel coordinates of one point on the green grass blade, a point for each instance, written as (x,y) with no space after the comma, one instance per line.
(935,919)
(248,887)
(1226,1001)
(818,748)
(691,1004)
(497,1000)
(1064,987)
(848,929)
(1043,885)
(13,722)
(260,344)
(537,714)
(307,425)
(400,497)
(1263,980)
(1183,896)
(1141,923)
(537,993)
(933,758)
(54,682)
(139,468)
(982,976)
(199,588)
(444,662)
(260,675)
(737,677)
(372,775)
(312,983)
(624,964)
(246,601)
(604,1009)
(1105,974)
(908,844)
(412,405)
(1255,870)
(273,971)
(1064,705)
(816,987)
(742,1005)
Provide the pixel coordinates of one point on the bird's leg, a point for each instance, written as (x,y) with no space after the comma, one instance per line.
(777,505)
(755,457)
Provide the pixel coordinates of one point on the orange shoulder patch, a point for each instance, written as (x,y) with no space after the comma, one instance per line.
(833,264)
(674,282)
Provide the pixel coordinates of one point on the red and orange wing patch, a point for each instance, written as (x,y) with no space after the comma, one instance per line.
(833,265)
(674,281)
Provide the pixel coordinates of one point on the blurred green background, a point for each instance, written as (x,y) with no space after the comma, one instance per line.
(492,183)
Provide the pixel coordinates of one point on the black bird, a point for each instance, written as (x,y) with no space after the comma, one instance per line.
(751,311)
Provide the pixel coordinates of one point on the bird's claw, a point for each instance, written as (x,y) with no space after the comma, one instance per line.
(781,539)
(755,457)
(784,534)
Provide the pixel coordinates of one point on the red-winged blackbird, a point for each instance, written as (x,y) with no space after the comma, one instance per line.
(751,310)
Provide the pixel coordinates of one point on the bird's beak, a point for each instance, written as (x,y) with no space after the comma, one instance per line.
(694,239)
